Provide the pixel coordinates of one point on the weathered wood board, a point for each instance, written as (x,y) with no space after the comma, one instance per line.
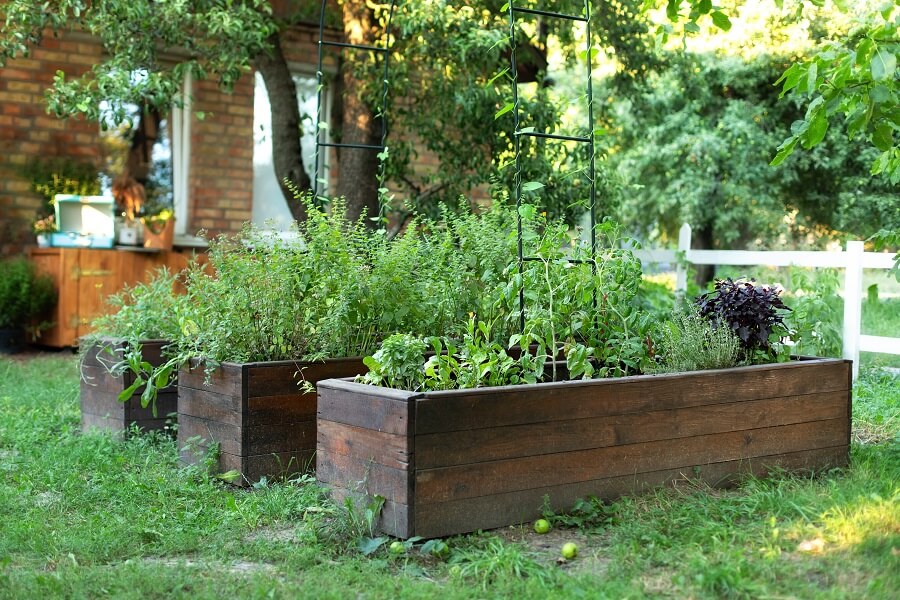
(456,461)
(100,389)
(256,414)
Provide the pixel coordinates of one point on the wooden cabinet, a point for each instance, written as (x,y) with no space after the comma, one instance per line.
(85,277)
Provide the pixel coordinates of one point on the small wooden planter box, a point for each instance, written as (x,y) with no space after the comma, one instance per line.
(100,406)
(257,414)
(457,461)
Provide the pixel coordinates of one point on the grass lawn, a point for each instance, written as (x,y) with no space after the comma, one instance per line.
(87,516)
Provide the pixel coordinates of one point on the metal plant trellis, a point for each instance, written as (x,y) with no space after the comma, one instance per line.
(320,131)
(518,134)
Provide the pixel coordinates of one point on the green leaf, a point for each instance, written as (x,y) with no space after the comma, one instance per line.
(883,137)
(692,27)
(816,132)
(784,150)
(672,9)
(125,394)
(506,108)
(791,78)
(721,20)
(884,63)
(369,545)
(531,186)
(864,51)
(811,76)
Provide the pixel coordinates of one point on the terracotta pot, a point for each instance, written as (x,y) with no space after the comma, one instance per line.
(159,235)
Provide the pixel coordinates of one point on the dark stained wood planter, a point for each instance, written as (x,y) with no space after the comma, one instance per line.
(100,405)
(257,414)
(456,461)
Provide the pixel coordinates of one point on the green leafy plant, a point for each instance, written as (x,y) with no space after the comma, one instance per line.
(754,312)
(690,342)
(26,297)
(816,317)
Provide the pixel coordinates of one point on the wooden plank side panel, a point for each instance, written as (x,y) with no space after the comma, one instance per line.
(496,443)
(439,519)
(277,409)
(394,519)
(277,465)
(286,377)
(281,437)
(481,479)
(210,404)
(490,407)
(391,450)
(210,431)
(363,476)
(353,404)
(99,379)
(227,378)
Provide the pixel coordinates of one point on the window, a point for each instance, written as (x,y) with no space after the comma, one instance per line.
(269,205)
(148,148)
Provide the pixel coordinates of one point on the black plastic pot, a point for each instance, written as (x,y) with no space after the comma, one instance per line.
(12,340)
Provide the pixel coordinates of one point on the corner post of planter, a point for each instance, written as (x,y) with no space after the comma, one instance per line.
(853,303)
(684,246)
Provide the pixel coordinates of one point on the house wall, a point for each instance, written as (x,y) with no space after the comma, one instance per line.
(27,132)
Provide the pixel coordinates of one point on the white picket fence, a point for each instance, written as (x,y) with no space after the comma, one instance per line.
(853,260)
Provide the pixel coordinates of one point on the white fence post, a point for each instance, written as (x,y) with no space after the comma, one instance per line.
(853,303)
(684,245)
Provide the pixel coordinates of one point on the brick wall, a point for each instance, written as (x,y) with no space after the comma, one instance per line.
(27,132)
(220,186)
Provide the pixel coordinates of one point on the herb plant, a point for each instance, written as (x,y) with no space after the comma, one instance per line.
(754,312)
(25,296)
(690,342)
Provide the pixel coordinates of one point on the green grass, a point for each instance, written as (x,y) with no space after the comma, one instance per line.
(88,516)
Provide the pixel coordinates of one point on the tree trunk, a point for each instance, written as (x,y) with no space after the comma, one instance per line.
(287,157)
(702,239)
(358,181)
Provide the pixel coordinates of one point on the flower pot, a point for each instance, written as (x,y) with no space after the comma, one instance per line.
(100,389)
(43,240)
(12,340)
(158,234)
(257,414)
(456,461)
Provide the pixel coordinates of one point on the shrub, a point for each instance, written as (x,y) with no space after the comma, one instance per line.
(26,297)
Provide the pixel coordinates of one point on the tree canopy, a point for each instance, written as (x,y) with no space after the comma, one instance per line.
(453,90)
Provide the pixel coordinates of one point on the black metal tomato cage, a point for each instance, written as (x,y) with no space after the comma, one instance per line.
(385,51)
(517,133)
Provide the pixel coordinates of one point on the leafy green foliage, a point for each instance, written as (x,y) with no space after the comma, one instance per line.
(25,296)
(854,77)
(240,30)
(816,316)
(755,313)
(690,342)
(150,310)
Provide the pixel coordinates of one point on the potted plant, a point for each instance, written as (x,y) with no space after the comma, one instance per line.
(275,315)
(472,438)
(26,298)
(143,320)
(42,228)
(159,227)
(48,178)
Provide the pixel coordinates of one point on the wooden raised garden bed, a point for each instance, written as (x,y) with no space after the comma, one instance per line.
(100,405)
(257,413)
(457,461)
